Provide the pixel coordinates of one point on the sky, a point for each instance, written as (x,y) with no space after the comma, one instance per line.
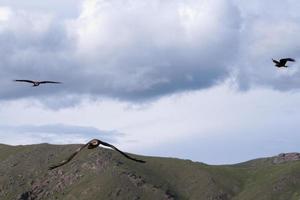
(190,79)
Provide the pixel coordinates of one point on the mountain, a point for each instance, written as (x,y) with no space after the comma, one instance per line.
(100,173)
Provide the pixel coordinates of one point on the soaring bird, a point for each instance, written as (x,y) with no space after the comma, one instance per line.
(91,145)
(282,62)
(37,83)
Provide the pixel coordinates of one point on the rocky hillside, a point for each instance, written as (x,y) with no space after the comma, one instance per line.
(104,174)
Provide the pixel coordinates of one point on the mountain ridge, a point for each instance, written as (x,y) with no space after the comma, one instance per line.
(104,174)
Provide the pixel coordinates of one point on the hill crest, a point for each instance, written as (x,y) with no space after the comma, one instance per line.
(104,174)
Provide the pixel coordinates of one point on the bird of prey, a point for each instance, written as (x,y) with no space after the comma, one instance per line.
(91,145)
(282,62)
(37,83)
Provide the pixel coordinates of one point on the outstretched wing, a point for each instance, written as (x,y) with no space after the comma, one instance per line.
(42,82)
(22,80)
(82,147)
(69,158)
(284,60)
(289,59)
(275,61)
(121,152)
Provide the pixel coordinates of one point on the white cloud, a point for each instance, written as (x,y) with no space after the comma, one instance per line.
(5,13)
(187,125)
(62,9)
(53,133)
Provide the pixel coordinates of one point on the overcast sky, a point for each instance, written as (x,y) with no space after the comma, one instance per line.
(191,79)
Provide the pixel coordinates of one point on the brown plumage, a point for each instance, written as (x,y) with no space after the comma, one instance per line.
(282,62)
(36,83)
(91,145)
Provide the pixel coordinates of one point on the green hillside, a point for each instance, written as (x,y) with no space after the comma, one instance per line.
(104,174)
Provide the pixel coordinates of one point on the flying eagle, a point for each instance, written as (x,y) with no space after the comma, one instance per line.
(37,83)
(282,62)
(91,145)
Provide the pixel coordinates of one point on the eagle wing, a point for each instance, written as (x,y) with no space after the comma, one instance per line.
(82,147)
(69,158)
(283,61)
(42,82)
(24,80)
(275,61)
(121,152)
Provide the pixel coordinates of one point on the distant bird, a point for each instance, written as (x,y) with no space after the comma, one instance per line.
(37,83)
(91,145)
(282,62)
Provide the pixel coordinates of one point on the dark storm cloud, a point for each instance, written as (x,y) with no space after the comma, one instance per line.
(157,49)
(33,47)
(138,51)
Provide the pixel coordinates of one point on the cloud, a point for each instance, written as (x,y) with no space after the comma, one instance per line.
(216,126)
(65,9)
(229,149)
(137,51)
(5,13)
(265,34)
(129,50)
(142,50)
(54,133)
(33,46)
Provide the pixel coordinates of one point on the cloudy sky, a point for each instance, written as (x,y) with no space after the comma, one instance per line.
(179,78)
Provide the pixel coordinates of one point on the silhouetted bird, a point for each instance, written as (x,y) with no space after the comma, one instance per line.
(282,62)
(91,145)
(37,83)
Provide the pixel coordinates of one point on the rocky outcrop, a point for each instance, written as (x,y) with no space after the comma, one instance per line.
(286,157)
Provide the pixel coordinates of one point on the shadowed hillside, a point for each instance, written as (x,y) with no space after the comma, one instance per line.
(104,174)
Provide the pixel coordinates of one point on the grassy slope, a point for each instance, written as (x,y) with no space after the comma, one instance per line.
(104,174)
